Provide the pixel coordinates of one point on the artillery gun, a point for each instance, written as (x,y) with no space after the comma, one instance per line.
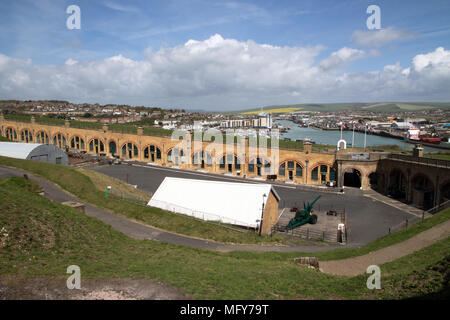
(303,216)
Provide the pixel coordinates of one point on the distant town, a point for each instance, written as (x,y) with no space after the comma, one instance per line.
(428,124)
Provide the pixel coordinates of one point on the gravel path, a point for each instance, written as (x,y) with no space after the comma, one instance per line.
(140,231)
(358,265)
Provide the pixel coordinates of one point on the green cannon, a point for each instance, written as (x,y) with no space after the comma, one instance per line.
(303,216)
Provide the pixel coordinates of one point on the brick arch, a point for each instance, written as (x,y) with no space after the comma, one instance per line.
(11,131)
(29,135)
(205,154)
(108,145)
(253,169)
(441,191)
(320,163)
(287,170)
(91,146)
(319,175)
(134,148)
(147,148)
(301,163)
(60,143)
(421,174)
(46,137)
(80,145)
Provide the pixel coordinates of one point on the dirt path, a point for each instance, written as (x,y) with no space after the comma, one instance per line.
(358,265)
(51,288)
(140,231)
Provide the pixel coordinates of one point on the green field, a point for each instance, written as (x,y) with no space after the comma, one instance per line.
(40,237)
(372,106)
(274,110)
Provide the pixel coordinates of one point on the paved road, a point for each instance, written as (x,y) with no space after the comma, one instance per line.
(367,218)
(142,232)
(358,265)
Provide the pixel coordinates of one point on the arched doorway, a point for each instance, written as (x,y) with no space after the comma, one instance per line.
(259,166)
(96,146)
(290,169)
(26,136)
(321,173)
(373,180)
(202,159)
(445,192)
(152,153)
(422,191)
(77,143)
(11,134)
(176,156)
(42,137)
(112,148)
(397,184)
(230,162)
(60,141)
(352,178)
(130,151)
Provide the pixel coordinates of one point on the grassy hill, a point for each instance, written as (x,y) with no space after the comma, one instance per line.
(373,106)
(39,237)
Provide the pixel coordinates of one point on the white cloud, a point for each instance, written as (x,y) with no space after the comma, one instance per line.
(225,74)
(439,59)
(380,38)
(120,7)
(341,57)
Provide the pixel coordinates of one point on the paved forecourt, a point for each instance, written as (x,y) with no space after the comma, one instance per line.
(367,218)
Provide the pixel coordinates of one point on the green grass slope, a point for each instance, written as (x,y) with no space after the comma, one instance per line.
(40,237)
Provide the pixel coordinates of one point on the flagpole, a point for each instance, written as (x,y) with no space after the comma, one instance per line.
(365,130)
(353,137)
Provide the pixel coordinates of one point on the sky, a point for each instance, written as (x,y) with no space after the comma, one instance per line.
(224,55)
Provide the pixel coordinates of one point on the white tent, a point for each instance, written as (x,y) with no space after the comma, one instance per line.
(228,202)
(33,151)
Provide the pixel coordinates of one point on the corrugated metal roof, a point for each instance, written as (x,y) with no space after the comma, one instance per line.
(228,202)
(17,150)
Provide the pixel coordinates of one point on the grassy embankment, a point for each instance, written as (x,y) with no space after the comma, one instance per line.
(82,187)
(40,237)
(79,182)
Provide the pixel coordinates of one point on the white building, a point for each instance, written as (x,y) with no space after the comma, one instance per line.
(34,151)
(240,204)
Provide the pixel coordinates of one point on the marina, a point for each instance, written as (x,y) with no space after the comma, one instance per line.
(333,136)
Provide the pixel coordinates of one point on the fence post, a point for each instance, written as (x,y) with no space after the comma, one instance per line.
(307,234)
(406,224)
(423,215)
(389,230)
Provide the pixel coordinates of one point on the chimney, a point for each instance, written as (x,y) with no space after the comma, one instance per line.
(418,150)
(307,146)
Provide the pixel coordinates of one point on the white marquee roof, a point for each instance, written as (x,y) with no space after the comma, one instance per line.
(228,202)
(17,150)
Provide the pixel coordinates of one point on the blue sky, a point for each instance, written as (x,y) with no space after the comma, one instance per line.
(144,33)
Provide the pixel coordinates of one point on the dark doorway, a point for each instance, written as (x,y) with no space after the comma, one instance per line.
(291,175)
(230,167)
(397,185)
(352,179)
(373,180)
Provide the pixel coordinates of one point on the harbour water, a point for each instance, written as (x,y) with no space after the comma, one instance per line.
(333,136)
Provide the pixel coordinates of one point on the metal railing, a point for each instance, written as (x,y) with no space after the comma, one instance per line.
(425,214)
(420,160)
(206,216)
(439,207)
